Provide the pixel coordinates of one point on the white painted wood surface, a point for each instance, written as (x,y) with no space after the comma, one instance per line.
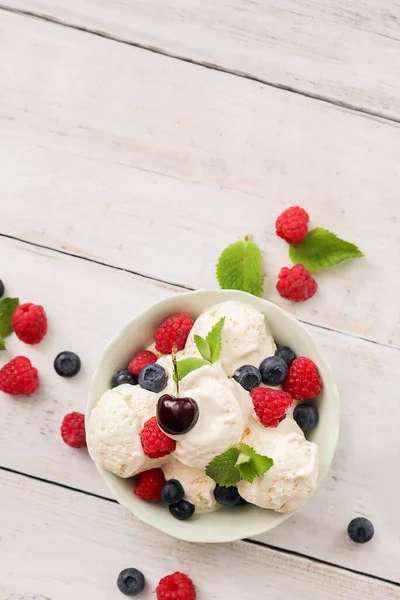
(79,544)
(359,483)
(102,156)
(348,52)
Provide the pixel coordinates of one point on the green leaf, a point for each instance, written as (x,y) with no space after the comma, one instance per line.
(7,307)
(213,339)
(2,344)
(261,464)
(223,468)
(240,268)
(203,347)
(321,249)
(187,365)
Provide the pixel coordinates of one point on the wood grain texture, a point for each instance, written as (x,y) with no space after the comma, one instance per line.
(72,546)
(346,52)
(87,304)
(155,165)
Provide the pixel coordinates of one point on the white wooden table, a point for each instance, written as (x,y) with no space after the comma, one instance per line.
(138,139)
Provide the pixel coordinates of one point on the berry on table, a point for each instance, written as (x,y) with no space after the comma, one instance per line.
(153,378)
(123,376)
(172,492)
(248,376)
(296,284)
(303,380)
(140,360)
(306,416)
(227,496)
(292,225)
(182,510)
(2,289)
(360,530)
(173,331)
(273,370)
(177,586)
(131,582)
(154,441)
(286,353)
(18,377)
(149,485)
(67,364)
(73,430)
(270,405)
(29,322)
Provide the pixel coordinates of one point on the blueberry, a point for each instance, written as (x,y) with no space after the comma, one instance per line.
(273,370)
(130,582)
(172,492)
(286,353)
(227,496)
(153,378)
(182,510)
(67,364)
(123,376)
(306,416)
(1,288)
(360,530)
(248,376)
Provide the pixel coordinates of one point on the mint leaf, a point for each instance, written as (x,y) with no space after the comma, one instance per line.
(260,464)
(2,344)
(187,365)
(203,347)
(213,339)
(223,468)
(240,268)
(321,249)
(7,307)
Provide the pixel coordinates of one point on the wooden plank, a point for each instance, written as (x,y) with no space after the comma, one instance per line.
(348,53)
(123,155)
(101,541)
(87,304)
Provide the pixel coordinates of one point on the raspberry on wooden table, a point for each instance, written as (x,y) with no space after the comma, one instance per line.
(140,360)
(29,322)
(296,284)
(173,331)
(154,441)
(270,405)
(292,225)
(149,485)
(73,430)
(303,380)
(19,377)
(177,586)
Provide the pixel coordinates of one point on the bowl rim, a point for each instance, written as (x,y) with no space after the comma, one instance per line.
(256,527)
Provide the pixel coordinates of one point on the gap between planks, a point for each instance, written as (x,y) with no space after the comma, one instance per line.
(179,286)
(245,540)
(206,65)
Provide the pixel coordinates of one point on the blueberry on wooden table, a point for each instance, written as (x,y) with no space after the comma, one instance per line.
(67,364)
(360,530)
(130,582)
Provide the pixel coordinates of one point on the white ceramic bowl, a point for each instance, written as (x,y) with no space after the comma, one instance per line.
(222,525)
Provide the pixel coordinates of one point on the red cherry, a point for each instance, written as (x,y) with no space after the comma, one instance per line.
(177,416)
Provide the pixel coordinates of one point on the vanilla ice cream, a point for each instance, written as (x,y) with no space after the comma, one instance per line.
(199,488)
(114,428)
(246,339)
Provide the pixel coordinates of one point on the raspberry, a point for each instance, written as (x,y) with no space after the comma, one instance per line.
(296,284)
(73,430)
(292,225)
(174,330)
(149,485)
(29,322)
(177,586)
(19,377)
(154,441)
(270,405)
(140,360)
(303,380)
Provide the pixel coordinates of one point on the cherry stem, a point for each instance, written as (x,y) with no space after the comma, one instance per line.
(174,351)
